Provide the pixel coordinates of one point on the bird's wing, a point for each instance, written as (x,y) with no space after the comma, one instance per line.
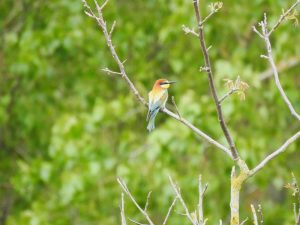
(156,101)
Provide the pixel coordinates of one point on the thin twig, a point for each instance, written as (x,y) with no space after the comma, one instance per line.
(188,30)
(244,221)
(123,218)
(282,66)
(174,103)
(227,94)
(147,201)
(212,84)
(256,31)
(112,30)
(275,153)
(178,194)
(265,36)
(169,211)
(123,74)
(255,221)
(104,4)
(101,22)
(283,16)
(109,72)
(136,222)
(207,17)
(201,191)
(126,190)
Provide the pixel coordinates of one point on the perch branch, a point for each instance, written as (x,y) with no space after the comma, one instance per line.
(212,84)
(101,22)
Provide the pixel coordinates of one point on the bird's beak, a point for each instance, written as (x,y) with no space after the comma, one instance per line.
(171,82)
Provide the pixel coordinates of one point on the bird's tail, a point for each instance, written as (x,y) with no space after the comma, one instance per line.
(151,123)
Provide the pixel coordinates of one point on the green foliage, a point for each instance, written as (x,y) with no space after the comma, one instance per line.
(67,130)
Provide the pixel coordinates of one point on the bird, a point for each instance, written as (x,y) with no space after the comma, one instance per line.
(158,97)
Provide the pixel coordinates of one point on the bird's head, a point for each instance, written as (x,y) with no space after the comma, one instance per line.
(163,83)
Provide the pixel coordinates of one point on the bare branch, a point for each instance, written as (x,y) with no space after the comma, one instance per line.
(295,212)
(178,194)
(255,221)
(198,132)
(123,74)
(264,57)
(103,5)
(283,16)
(188,30)
(123,218)
(265,36)
(112,30)
(147,201)
(227,95)
(174,103)
(207,17)
(298,219)
(212,84)
(282,66)
(201,191)
(256,31)
(261,216)
(244,221)
(136,222)
(109,72)
(101,22)
(126,190)
(275,153)
(213,11)
(169,211)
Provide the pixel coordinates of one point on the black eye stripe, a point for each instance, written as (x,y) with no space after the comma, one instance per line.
(162,83)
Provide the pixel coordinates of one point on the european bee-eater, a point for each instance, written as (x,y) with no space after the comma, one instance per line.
(157,100)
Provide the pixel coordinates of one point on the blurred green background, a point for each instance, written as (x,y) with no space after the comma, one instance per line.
(67,130)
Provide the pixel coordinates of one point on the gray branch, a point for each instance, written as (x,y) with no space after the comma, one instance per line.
(127,192)
(123,218)
(211,81)
(275,153)
(265,35)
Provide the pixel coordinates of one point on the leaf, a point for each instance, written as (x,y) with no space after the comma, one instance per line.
(292,16)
